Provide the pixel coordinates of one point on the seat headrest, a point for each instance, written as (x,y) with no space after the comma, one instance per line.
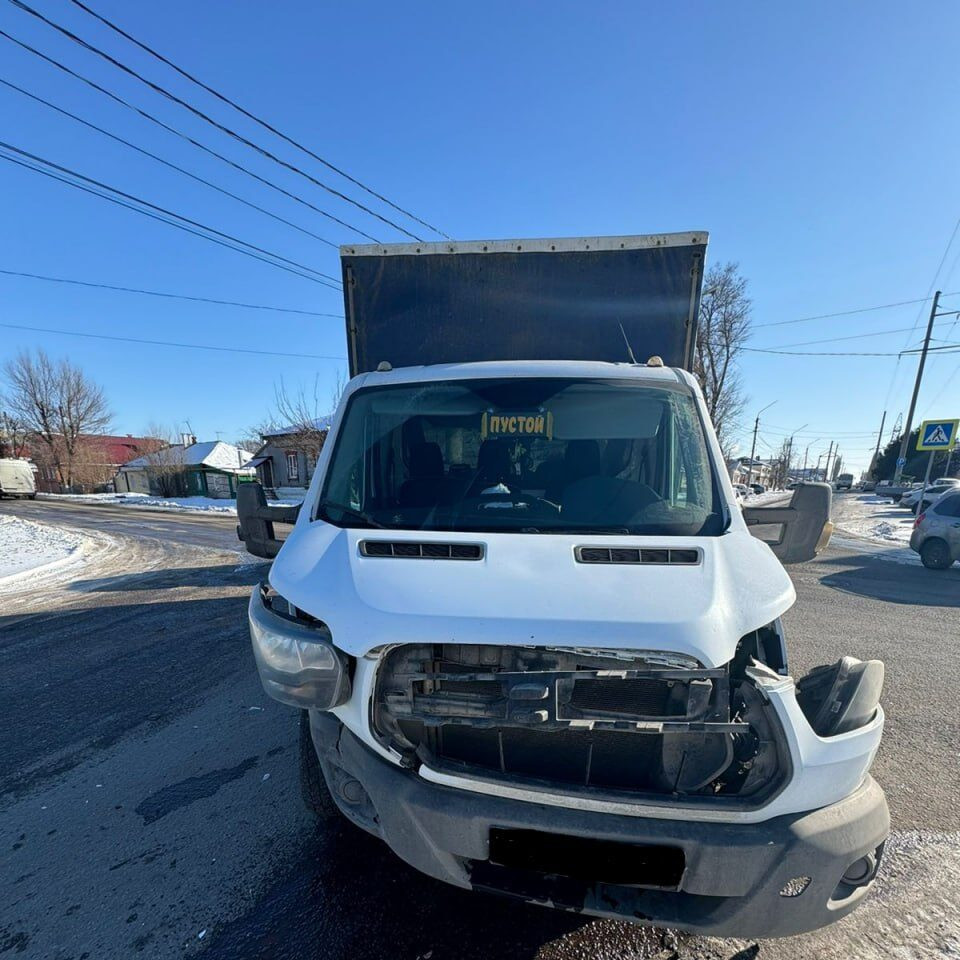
(493,460)
(426,460)
(581,459)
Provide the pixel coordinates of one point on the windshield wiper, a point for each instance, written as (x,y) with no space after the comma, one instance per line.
(325,505)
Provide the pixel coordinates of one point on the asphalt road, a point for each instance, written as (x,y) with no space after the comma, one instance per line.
(148,789)
(199,529)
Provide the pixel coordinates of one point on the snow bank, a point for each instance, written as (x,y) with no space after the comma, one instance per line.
(175,504)
(874,518)
(28,547)
(768,496)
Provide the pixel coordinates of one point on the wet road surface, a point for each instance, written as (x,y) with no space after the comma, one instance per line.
(148,788)
(198,529)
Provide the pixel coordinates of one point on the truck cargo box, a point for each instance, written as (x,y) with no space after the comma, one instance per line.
(565,299)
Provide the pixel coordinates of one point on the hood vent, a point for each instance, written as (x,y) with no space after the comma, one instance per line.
(685,556)
(411,550)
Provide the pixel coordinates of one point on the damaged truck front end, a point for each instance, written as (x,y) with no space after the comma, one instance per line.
(630,784)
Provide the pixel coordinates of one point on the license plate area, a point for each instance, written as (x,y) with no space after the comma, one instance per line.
(591,860)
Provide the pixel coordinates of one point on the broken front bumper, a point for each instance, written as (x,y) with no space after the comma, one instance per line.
(783,876)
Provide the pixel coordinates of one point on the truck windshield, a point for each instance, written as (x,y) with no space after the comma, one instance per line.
(523,455)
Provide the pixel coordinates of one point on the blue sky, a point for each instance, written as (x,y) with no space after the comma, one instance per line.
(817,143)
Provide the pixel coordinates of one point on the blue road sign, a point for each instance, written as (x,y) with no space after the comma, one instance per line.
(901,461)
(937,435)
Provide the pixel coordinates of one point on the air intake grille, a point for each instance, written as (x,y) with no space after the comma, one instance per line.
(688,556)
(421,551)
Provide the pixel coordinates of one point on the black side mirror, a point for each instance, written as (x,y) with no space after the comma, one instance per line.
(799,530)
(256,519)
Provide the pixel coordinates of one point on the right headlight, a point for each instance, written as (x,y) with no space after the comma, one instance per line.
(296,658)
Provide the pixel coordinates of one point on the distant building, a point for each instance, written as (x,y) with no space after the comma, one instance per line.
(289,455)
(95,464)
(210,469)
(758,471)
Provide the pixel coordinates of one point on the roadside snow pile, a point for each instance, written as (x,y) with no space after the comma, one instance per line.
(176,504)
(768,496)
(873,518)
(26,547)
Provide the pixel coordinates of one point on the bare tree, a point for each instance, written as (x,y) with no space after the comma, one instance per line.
(780,466)
(301,418)
(165,461)
(58,404)
(723,331)
(13,435)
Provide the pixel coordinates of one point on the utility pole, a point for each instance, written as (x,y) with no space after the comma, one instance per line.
(876,453)
(790,449)
(753,447)
(916,389)
(806,453)
(826,469)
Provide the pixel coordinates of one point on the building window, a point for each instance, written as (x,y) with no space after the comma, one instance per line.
(293,466)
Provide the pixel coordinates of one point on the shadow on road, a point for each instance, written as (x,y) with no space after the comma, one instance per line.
(76,681)
(905,583)
(229,574)
(350,897)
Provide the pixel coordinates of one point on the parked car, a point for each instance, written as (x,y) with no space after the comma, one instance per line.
(867,485)
(742,491)
(936,533)
(16,479)
(758,488)
(911,500)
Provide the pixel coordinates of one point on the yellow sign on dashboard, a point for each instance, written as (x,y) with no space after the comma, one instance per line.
(539,424)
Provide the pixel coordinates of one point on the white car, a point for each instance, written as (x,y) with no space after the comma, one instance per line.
(912,499)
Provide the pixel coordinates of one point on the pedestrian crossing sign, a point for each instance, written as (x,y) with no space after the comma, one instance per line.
(937,435)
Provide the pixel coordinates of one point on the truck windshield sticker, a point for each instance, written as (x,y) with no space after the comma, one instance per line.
(535,424)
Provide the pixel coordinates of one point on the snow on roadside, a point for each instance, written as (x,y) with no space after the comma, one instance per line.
(173,504)
(27,547)
(874,518)
(768,496)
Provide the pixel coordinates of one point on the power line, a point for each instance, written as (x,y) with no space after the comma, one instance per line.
(847,313)
(203,116)
(179,133)
(946,251)
(172,343)
(949,348)
(234,243)
(808,353)
(172,296)
(166,163)
(256,119)
(853,336)
(153,216)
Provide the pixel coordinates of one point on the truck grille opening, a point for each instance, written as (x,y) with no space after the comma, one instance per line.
(589,720)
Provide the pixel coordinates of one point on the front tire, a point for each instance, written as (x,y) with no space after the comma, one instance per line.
(935,555)
(313,785)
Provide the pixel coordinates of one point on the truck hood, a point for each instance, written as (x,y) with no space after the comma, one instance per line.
(530,590)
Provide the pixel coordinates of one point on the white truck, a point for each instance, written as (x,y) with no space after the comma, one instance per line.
(17,478)
(536,644)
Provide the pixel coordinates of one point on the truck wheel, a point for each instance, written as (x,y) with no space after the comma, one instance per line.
(935,555)
(313,786)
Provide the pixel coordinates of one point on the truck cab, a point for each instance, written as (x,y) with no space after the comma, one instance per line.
(535,641)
